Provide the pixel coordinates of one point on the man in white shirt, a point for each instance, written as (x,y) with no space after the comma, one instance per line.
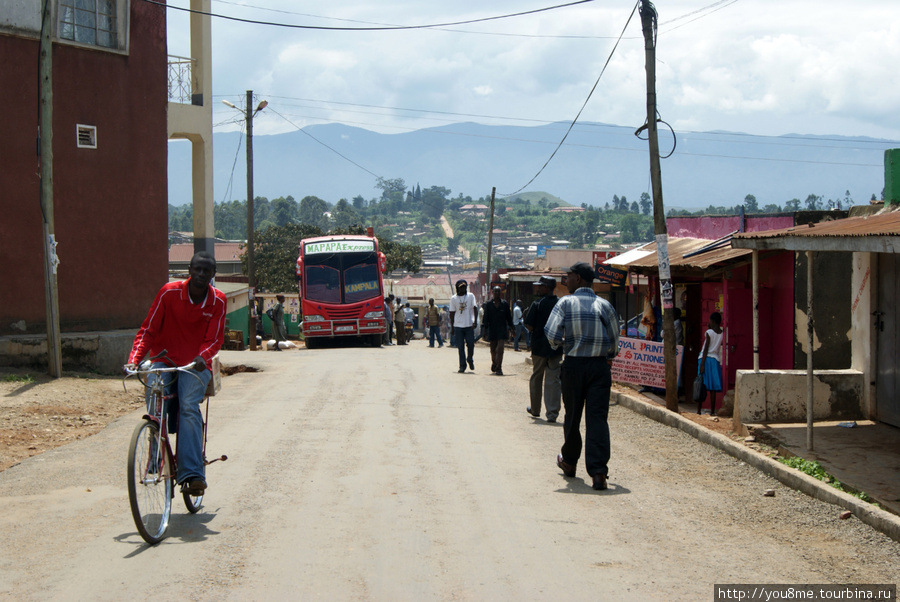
(463,320)
(519,325)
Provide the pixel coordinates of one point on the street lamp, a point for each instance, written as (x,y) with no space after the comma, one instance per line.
(251,268)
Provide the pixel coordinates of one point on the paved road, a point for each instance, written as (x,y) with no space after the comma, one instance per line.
(382,474)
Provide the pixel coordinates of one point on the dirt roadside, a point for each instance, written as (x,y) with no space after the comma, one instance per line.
(39,413)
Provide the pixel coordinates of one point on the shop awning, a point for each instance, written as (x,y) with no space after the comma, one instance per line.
(686,254)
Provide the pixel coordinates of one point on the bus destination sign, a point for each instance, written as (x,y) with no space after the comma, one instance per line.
(340,246)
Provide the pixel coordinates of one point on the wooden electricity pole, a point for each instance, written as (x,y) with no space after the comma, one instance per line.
(648,24)
(251,268)
(51,261)
(490,243)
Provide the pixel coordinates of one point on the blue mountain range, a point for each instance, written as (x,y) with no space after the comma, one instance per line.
(595,162)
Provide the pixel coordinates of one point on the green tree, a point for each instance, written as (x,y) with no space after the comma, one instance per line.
(181,219)
(433,200)
(813,202)
(284,211)
(275,256)
(750,204)
(343,215)
(630,228)
(312,212)
(646,203)
(792,205)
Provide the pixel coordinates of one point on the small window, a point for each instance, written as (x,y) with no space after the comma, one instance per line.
(87,136)
(89,22)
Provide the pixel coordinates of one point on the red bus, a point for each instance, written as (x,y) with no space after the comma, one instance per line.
(341,288)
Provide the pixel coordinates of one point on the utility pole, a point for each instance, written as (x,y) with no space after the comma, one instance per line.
(648,25)
(51,261)
(490,242)
(251,268)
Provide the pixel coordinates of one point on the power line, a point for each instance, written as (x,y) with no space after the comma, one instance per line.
(602,71)
(483,33)
(373,28)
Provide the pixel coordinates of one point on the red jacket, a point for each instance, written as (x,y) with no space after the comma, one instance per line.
(184,329)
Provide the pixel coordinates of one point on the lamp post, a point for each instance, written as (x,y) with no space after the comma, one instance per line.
(251,268)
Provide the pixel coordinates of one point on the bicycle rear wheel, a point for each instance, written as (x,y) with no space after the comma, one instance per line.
(192,502)
(149,482)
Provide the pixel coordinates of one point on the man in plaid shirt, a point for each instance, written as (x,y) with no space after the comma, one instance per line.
(587,327)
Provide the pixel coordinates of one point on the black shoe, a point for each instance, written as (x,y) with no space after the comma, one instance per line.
(533,415)
(551,420)
(461,370)
(599,482)
(499,372)
(194,487)
(471,364)
(567,468)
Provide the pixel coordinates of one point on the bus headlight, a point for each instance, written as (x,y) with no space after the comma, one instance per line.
(372,315)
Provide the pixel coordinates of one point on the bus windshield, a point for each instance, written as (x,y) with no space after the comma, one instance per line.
(342,277)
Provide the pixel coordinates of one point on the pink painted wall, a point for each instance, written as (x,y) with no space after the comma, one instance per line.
(713,227)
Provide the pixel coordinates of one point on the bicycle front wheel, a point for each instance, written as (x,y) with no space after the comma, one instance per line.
(149,482)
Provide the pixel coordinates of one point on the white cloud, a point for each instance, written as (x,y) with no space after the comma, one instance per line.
(827,67)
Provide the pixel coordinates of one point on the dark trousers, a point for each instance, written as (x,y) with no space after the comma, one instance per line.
(586,384)
(465,341)
(401,332)
(497,355)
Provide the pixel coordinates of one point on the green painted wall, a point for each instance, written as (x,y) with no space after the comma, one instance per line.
(892,176)
(237,320)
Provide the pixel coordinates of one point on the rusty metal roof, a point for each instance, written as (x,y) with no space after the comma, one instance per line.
(679,247)
(878,233)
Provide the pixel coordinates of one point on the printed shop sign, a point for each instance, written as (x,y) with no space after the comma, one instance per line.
(642,363)
(340,246)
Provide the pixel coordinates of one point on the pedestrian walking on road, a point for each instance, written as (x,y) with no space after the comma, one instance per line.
(545,360)
(463,320)
(433,316)
(445,324)
(583,324)
(400,323)
(497,326)
(279,331)
(519,325)
(388,322)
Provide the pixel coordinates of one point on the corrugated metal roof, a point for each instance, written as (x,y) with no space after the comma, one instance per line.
(679,247)
(881,224)
(879,233)
(628,256)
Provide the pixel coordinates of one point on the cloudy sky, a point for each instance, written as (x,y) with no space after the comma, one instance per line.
(766,67)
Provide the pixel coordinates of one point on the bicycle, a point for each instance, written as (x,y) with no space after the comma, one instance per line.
(152,466)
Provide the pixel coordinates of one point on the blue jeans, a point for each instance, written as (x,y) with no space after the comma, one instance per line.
(189,442)
(432,332)
(520,328)
(467,336)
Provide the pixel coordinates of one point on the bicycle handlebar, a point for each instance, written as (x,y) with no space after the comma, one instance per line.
(144,369)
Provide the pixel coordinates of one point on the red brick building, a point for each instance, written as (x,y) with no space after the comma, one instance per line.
(109,104)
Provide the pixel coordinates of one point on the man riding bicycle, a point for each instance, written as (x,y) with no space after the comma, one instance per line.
(187,320)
